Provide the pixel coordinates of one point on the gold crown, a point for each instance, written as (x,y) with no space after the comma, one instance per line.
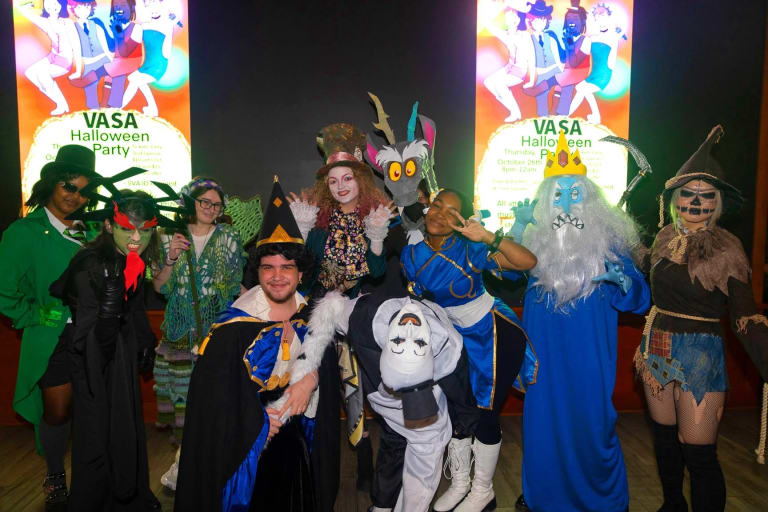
(562,161)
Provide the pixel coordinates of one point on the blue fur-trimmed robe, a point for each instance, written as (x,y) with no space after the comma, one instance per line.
(225,462)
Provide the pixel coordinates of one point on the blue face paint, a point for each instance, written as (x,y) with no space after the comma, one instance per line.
(567,194)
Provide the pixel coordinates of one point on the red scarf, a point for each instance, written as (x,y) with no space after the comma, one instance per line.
(134,266)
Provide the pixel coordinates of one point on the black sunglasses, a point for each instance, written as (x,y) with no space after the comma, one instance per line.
(69,187)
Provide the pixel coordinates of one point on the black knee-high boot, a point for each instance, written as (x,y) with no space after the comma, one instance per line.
(669,458)
(707,481)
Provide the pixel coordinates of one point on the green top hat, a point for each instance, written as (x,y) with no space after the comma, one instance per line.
(342,145)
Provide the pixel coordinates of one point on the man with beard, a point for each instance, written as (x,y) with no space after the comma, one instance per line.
(584,277)
(263,404)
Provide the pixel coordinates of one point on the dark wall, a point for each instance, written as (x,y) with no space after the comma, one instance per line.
(267,75)
(693,68)
(303,65)
(10,178)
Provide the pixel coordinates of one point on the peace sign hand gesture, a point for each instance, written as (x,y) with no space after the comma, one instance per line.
(471,229)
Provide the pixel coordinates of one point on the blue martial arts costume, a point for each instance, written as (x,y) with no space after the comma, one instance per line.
(452,277)
(572,459)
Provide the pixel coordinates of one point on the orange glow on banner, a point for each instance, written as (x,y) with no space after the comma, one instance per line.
(111,75)
(542,67)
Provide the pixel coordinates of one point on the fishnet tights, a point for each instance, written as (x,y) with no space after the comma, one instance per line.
(696,424)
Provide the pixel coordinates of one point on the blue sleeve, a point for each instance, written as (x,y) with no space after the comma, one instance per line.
(638,299)
(406,261)
(480,257)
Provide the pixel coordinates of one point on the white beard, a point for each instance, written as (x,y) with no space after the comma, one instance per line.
(568,257)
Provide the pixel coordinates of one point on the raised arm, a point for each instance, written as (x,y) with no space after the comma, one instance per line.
(512,256)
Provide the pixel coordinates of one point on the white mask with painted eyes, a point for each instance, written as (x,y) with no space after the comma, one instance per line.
(406,359)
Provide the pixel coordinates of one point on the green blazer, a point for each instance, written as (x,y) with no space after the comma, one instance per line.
(33,254)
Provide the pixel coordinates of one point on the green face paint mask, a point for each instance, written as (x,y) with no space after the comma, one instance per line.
(128,240)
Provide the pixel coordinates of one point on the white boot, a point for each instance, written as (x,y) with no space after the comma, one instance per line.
(459,460)
(482,498)
(169,478)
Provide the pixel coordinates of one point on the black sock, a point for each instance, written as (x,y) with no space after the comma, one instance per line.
(669,458)
(707,482)
(53,439)
(488,430)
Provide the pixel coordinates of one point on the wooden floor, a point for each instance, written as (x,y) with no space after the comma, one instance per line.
(22,470)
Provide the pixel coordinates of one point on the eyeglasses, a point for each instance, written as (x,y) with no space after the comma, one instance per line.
(69,187)
(207,205)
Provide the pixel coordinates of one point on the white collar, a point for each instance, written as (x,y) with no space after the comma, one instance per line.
(55,222)
(60,226)
(255,303)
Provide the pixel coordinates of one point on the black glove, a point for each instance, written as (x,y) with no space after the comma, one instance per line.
(146,360)
(110,308)
(113,291)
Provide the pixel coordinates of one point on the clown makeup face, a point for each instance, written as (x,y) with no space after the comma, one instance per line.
(696,202)
(344,188)
(130,234)
(407,358)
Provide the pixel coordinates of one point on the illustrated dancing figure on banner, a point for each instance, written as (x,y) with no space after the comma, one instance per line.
(546,50)
(54,21)
(156,20)
(576,62)
(602,44)
(521,58)
(91,50)
(128,53)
